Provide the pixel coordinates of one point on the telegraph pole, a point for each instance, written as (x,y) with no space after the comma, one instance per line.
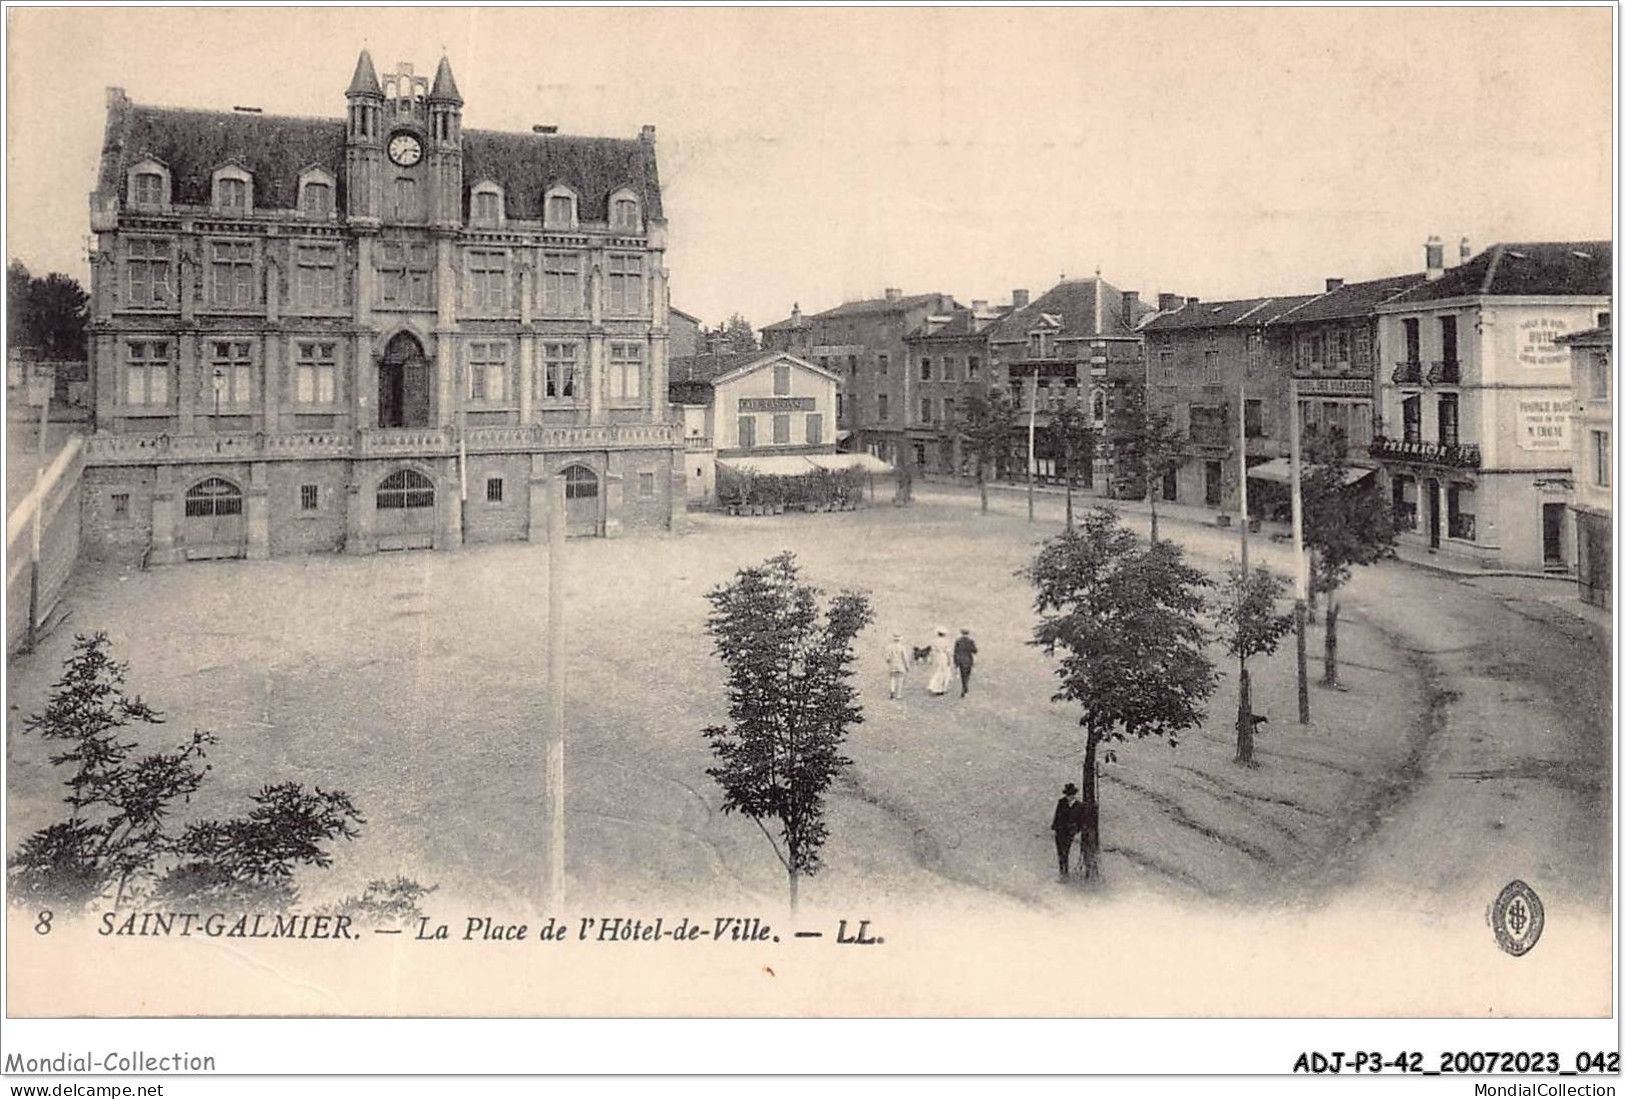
(555,696)
(1300,567)
(1032,433)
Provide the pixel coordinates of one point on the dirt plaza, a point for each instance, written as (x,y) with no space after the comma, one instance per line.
(414,682)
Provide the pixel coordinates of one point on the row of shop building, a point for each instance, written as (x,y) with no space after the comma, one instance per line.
(1452,385)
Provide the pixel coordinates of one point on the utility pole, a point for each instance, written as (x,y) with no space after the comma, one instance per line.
(1032,434)
(555,696)
(1300,566)
(1241,460)
(43,392)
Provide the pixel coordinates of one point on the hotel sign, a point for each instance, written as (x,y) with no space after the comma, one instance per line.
(1536,342)
(1334,387)
(1543,424)
(777,404)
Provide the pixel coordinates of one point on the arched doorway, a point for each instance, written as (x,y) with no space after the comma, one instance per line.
(212,524)
(403,383)
(406,514)
(580,502)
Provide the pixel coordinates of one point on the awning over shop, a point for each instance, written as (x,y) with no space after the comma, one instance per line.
(1280,471)
(777,465)
(842,435)
(866,462)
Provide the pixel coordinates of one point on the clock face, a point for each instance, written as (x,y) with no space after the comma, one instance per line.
(405,150)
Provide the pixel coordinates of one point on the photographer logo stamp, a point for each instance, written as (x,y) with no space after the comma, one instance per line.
(1517,917)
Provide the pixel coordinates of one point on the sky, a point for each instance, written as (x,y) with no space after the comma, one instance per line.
(816,156)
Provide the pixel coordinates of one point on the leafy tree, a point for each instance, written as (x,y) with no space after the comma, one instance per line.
(48,313)
(1344,525)
(248,863)
(790,703)
(1074,429)
(116,838)
(734,335)
(1124,619)
(394,901)
(1250,627)
(1146,447)
(986,424)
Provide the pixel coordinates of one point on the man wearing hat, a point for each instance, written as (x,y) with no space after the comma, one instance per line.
(896,664)
(1067,824)
(964,658)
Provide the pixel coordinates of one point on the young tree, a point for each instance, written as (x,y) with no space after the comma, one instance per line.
(1250,626)
(1344,525)
(1146,447)
(790,703)
(1124,618)
(1073,428)
(116,836)
(987,425)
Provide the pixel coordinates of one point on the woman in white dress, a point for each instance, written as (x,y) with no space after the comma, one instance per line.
(942,663)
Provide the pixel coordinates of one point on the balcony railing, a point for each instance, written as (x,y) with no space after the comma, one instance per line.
(694,444)
(1459,455)
(1447,372)
(1408,374)
(109,449)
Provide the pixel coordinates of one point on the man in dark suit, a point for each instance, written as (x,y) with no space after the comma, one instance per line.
(964,657)
(1066,825)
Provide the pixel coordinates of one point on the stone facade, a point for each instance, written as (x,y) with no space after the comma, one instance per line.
(310,335)
(1591,367)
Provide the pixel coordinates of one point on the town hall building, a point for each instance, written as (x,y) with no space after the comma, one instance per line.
(376,332)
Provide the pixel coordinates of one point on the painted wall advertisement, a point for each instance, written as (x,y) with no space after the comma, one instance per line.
(1543,423)
(1536,342)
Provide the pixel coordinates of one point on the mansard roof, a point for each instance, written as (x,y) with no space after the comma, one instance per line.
(276,148)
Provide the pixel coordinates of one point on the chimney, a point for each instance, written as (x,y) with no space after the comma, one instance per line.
(1131,302)
(1435,257)
(1018,298)
(795,313)
(1333,284)
(544,129)
(1466,250)
(1167,303)
(893,293)
(1192,300)
(945,303)
(647,135)
(978,307)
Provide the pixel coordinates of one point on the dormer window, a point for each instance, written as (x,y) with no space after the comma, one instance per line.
(316,192)
(485,205)
(233,191)
(625,213)
(148,185)
(560,209)
(148,189)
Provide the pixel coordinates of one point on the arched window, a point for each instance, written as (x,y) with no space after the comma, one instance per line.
(624,212)
(559,211)
(580,483)
(405,488)
(215,496)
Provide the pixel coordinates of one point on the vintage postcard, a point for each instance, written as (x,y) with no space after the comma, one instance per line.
(924,513)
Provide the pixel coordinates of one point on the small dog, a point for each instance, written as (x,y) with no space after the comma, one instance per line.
(922,653)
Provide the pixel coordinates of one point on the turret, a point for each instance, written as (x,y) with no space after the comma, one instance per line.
(364,141)
(446,146)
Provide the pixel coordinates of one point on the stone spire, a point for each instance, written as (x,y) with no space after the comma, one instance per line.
(365,80)
(445,85)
